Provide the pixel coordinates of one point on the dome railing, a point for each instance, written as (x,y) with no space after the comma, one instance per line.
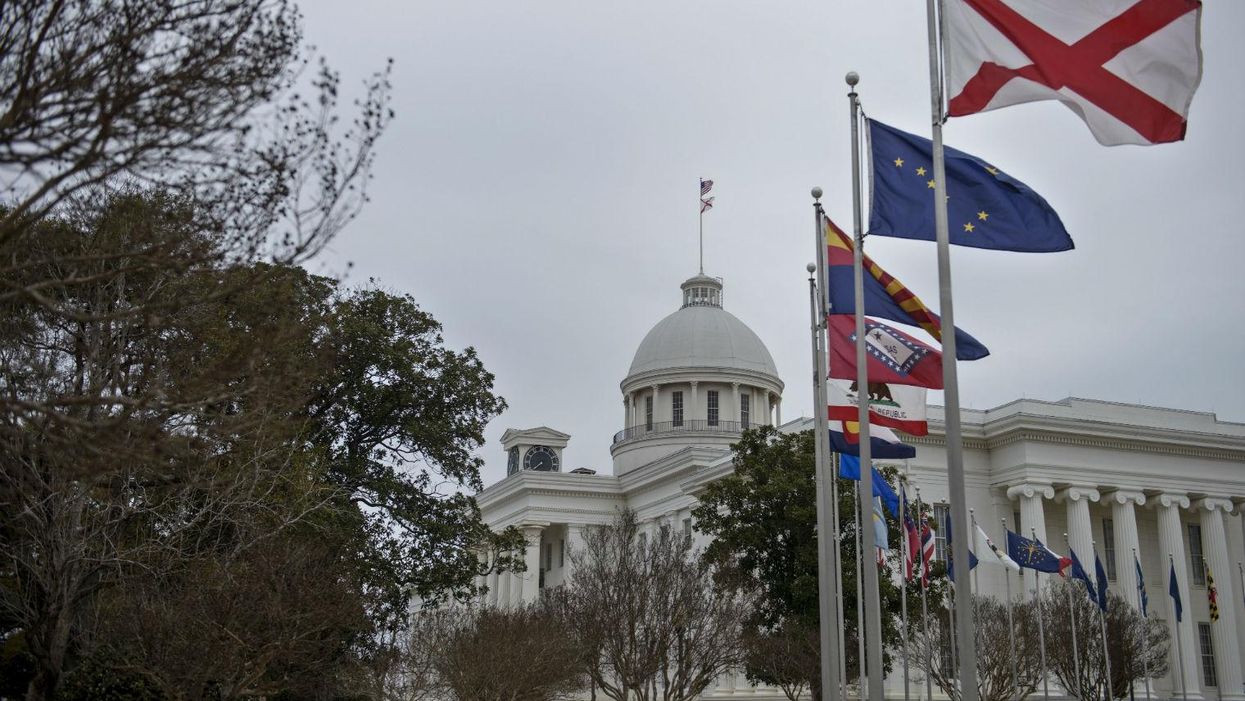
(662,428)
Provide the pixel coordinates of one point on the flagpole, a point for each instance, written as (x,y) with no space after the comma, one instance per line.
(700,205)
(860,611)
(1037,597)
(903,582)
(827,574)
(972,521)
(1145,657)
(1076,655)
(1102,618)
(838,573)
(1184,683)
(929,643)
(873,612)
(951,386)
(1011,628)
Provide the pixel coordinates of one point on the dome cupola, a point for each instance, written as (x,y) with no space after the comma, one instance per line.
(699,377)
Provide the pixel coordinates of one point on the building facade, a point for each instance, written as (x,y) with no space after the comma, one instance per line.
(1116,478)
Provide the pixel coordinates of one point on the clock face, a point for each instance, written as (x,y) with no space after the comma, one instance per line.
(512,463)
(541,458)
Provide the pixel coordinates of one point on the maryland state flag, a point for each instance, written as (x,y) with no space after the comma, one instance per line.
(885,297)
(1212,594)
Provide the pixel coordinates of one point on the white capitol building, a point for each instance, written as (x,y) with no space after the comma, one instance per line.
(1123,476)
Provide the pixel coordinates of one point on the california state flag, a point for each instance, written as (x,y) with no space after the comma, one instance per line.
(901,407)
(1129,68)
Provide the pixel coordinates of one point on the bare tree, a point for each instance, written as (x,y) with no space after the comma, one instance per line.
(1134,643)
(471,653)
(648,619)
(1000,674)
(195,95)
(787,657)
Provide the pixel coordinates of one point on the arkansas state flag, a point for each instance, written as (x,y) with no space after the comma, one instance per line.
(892,355)
(901,407)
(1129,68)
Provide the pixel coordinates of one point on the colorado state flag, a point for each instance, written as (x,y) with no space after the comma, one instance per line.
(986,208)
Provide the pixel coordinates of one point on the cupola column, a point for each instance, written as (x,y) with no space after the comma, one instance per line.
(656,403)
(626,411)
(778,410)
(631,404)
(735,391)
(693,413)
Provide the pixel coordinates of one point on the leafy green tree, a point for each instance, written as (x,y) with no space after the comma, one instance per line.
(762,519)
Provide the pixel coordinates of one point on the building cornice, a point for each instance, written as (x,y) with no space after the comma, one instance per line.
(644,380)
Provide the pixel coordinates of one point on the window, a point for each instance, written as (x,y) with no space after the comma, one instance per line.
(745,409)
(713,407)
(1016,523)
(676,408)
(562,553)
(942,516)
(548,548)
(1195,554)
(648,413)
(1108,547)
(1208,655)
(687,526)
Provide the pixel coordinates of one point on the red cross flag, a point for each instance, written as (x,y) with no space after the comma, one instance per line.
(1127,67)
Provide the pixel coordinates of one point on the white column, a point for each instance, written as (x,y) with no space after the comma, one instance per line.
(656,404)
(504,596)
(735,391)
(531,558)
(1124,522)
(1171,542)
(1032,512)
(1223,632)
(1080,531)
(693,409)
(626,412)
(574,548)
(491,597)
(778,411)
(631,404)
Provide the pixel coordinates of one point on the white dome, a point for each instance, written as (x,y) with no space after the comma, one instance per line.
(702,337)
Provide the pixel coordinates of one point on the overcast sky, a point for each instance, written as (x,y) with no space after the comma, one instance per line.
(537,193)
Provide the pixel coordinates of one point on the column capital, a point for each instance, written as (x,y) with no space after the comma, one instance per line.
(1172,500)
(693,383)
(532,529)
(1078,492)
(1030,490)
(655,385)
(1213,503)
(1124,495)
(735,386)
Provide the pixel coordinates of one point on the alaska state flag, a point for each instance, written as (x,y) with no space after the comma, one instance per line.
(892,356)
(885,297)
(986,208)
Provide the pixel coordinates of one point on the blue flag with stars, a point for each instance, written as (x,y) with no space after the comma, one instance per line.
(986,208)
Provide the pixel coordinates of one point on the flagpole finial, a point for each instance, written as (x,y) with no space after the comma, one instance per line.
(852,78)
(816,193)
(811,268)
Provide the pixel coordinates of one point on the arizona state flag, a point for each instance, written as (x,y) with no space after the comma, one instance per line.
(885,296)
(892,355)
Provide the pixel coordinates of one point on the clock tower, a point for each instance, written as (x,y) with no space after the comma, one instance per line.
(538,449)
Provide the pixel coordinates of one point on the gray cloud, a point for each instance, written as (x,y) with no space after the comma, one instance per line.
(537,193)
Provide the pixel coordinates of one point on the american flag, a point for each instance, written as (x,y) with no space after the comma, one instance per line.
(705,187)
(927,549)
(706,204)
